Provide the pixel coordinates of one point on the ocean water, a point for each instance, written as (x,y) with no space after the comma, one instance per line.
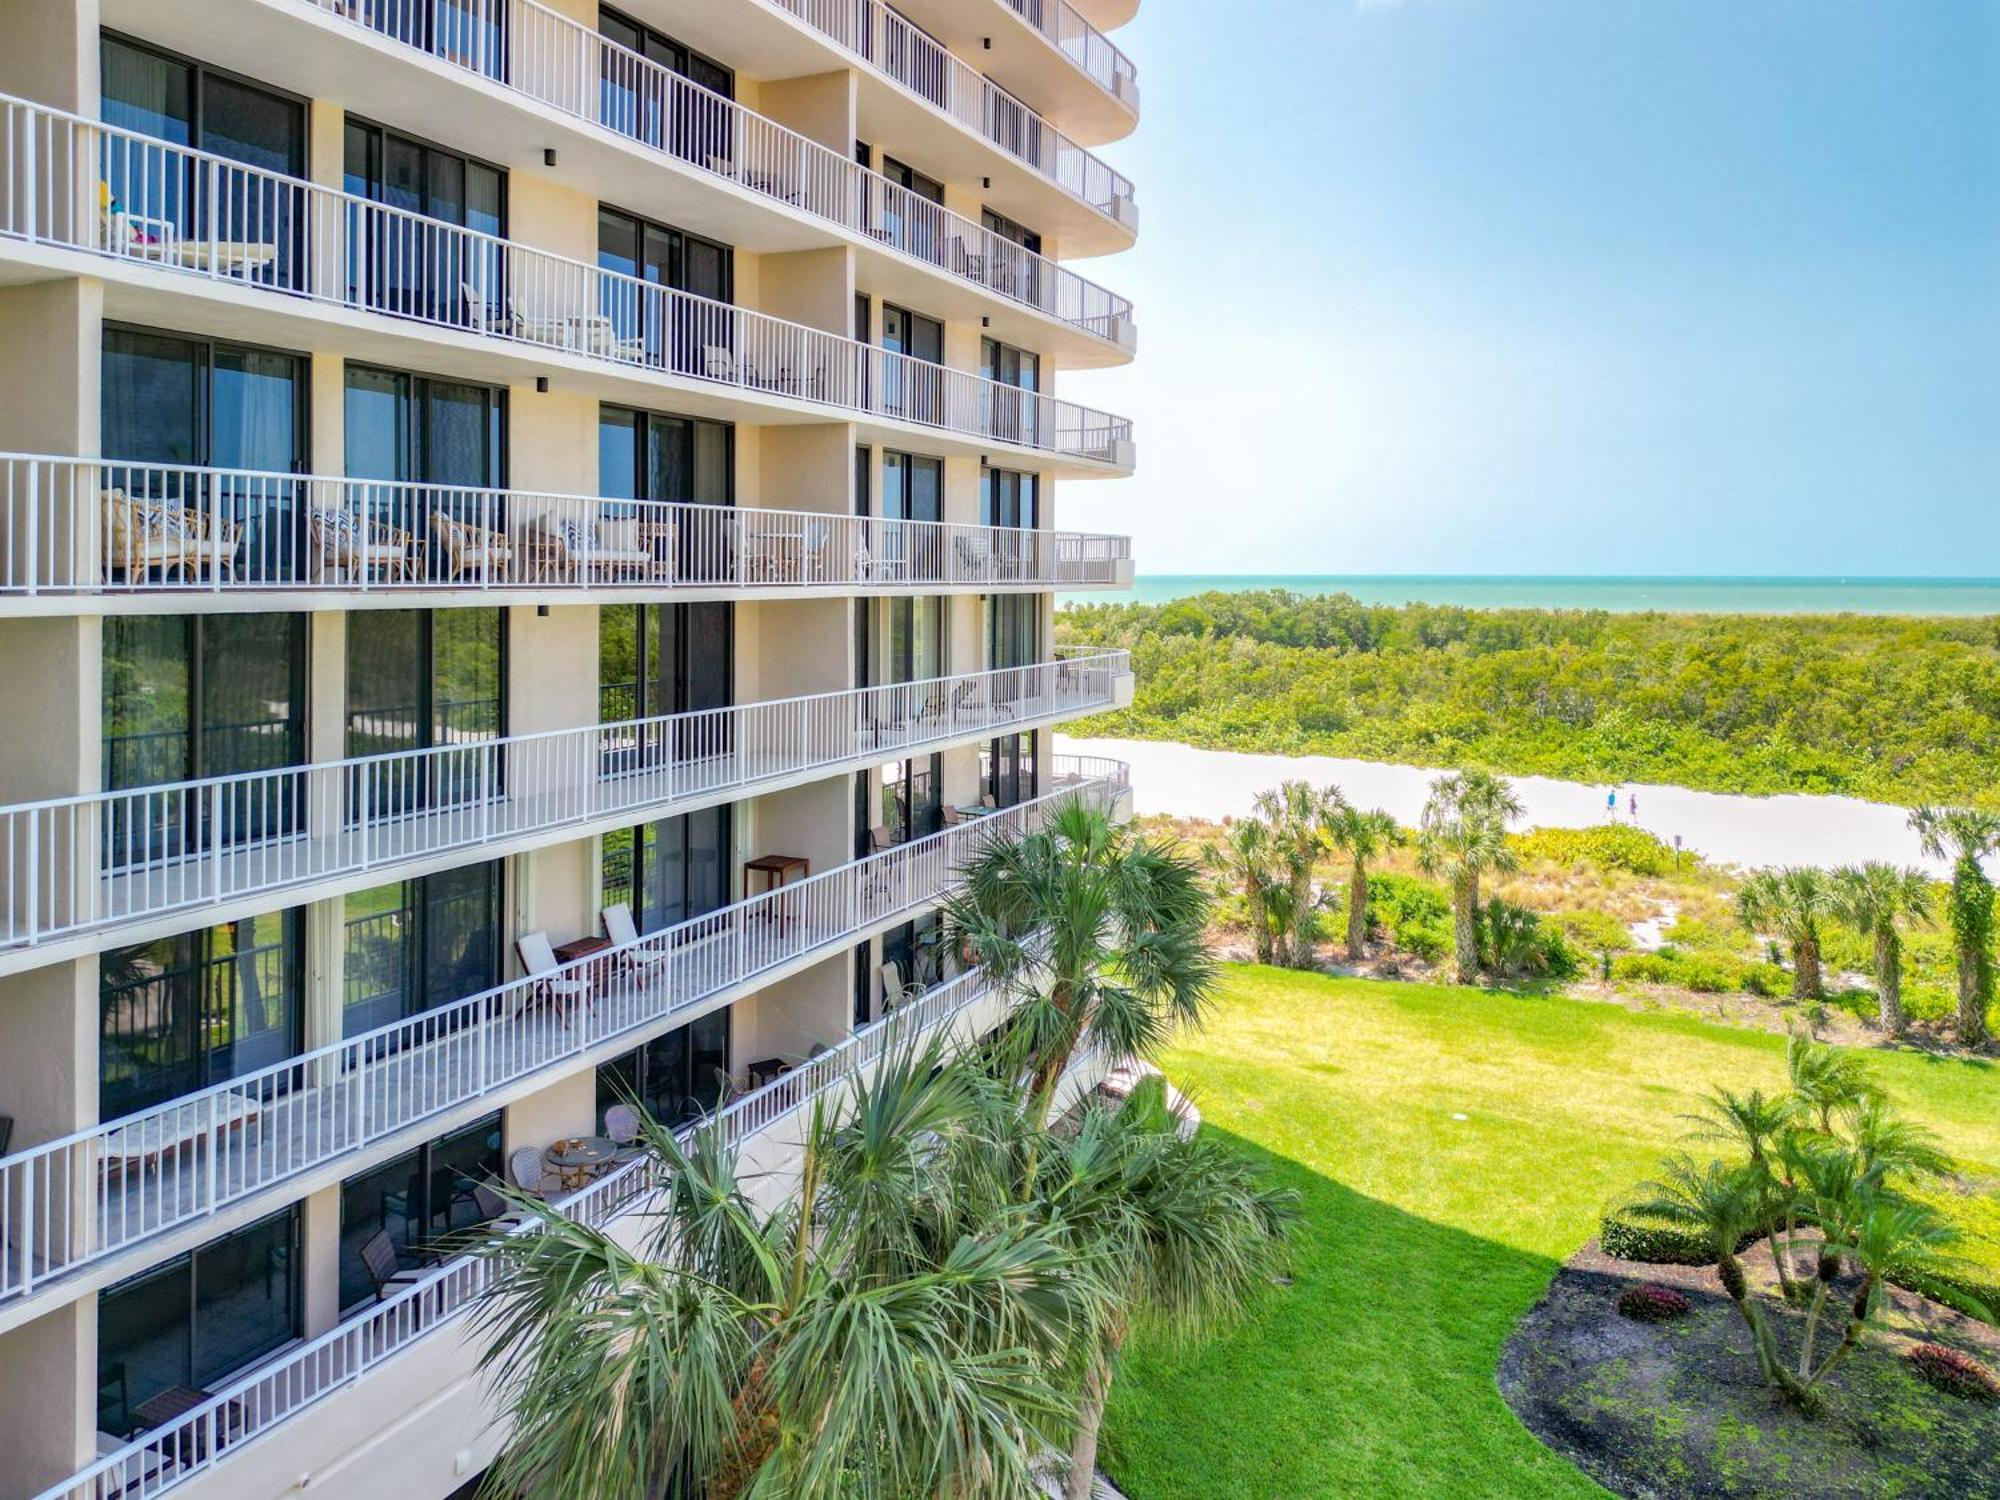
(1785,596)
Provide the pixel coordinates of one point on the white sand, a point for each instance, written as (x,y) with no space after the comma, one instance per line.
(1792,830)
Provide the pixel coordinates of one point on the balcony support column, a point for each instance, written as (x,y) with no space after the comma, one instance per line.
(48,1423)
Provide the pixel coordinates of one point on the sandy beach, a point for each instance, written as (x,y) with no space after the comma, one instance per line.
(1728,829)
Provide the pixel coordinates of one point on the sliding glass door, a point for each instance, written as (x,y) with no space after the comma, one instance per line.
(661,659)
(414,945)
(424,680)
(417,429)
(645,455)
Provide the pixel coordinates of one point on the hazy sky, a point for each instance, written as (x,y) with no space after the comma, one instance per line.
(1561,286)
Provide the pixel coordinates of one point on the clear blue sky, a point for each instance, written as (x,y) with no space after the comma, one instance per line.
(1561,286)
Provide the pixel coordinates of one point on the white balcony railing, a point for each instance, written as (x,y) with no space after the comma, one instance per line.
(90,863)
(71,1202)
(104,526)
(885,41)
(530,49)
(253,1404)
(81,185)
(1090,49)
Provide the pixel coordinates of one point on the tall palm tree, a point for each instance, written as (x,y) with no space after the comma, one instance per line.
(1965,836)
(1463,836)
(1244,858)
(1088,925)
(1793,903)
(1296,815)
(1876,899)
(1364,837)
(1184,1229)
(857,1340)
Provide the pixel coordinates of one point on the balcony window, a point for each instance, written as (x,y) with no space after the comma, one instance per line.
(682,460)
(1013,630)
(424,680)
(657,659)
(635,100)
(913,387)
(1011,419)
(414,429)
(917,950)
(912,490)
(414,945)
(397,265)
(423,1200)
(1007,770)
(669,870)
(677,1077)
(471,33)
(196,1320)
(155,93)
(914,645)
(166,398)
(912,798)
(664,256)
(1007,498)
(181,1013)
(190,696)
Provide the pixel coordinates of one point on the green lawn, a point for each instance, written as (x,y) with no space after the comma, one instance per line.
(1425,1236)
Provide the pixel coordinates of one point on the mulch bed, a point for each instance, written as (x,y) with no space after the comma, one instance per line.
(1678,1411)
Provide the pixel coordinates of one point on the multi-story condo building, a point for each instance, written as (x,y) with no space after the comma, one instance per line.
(527,557)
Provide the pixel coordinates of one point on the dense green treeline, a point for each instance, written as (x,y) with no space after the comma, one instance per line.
(1895,709)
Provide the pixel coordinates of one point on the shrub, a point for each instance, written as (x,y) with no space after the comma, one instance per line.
(1610,846)
(1416,914)
(1626,1236)
(1975,1294)
(1651,1303)
(1953,1371)
(1766,979)
(1515,941)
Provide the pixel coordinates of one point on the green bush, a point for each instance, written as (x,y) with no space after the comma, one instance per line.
(1704,973)
(1416,914)
(1974,1293)
(1625,1236)
(1610,846)
(1767,979)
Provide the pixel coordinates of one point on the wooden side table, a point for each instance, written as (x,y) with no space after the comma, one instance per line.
(581,947)
(772,871)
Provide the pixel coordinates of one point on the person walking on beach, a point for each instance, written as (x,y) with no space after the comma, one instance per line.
(1611,803)
(1632,806)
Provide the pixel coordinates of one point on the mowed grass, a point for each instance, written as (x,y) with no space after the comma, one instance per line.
(1426,1236)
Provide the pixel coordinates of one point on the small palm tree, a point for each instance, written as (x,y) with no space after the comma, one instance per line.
(1089,926)
(1875,899)
(1243,857)
(1965,836)
(860,1339)
(1296,816)
(1184,1228)
(1462,837)
(1793,903)
(1827,1081)
(1363,837)
(1722,1204)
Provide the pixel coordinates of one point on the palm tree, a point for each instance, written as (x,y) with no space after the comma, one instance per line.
(1363,837)
(1088,925)
(1296,815)
(1244,858)
(1965,836)
(1793,903)
(1875,899)
(1463,835)
(858,1339)
(1185,1229)
(1723,1205)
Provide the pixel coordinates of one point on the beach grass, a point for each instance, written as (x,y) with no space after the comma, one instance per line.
(1452,1147)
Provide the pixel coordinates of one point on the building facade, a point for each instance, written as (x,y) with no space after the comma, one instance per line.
(527,557)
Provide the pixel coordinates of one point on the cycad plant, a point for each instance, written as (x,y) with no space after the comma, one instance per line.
(1966,836)
(1463,836)
(863,1338)
(1876,900)
(1794,903)
(1088,925)
(1364,837)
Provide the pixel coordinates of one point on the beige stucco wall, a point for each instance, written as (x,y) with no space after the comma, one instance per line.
(50,53)
(48,1421)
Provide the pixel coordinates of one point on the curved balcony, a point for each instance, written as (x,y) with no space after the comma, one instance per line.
(115,195)
(71,1203)
(531,50)
(170,535)
(126,865)
(1044,52)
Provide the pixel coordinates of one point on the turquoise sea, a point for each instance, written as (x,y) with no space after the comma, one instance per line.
(1873,596)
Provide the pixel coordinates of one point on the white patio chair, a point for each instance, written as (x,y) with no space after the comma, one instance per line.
(624,932)
(538,957)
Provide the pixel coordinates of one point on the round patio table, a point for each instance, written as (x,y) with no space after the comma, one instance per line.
(579,1158)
